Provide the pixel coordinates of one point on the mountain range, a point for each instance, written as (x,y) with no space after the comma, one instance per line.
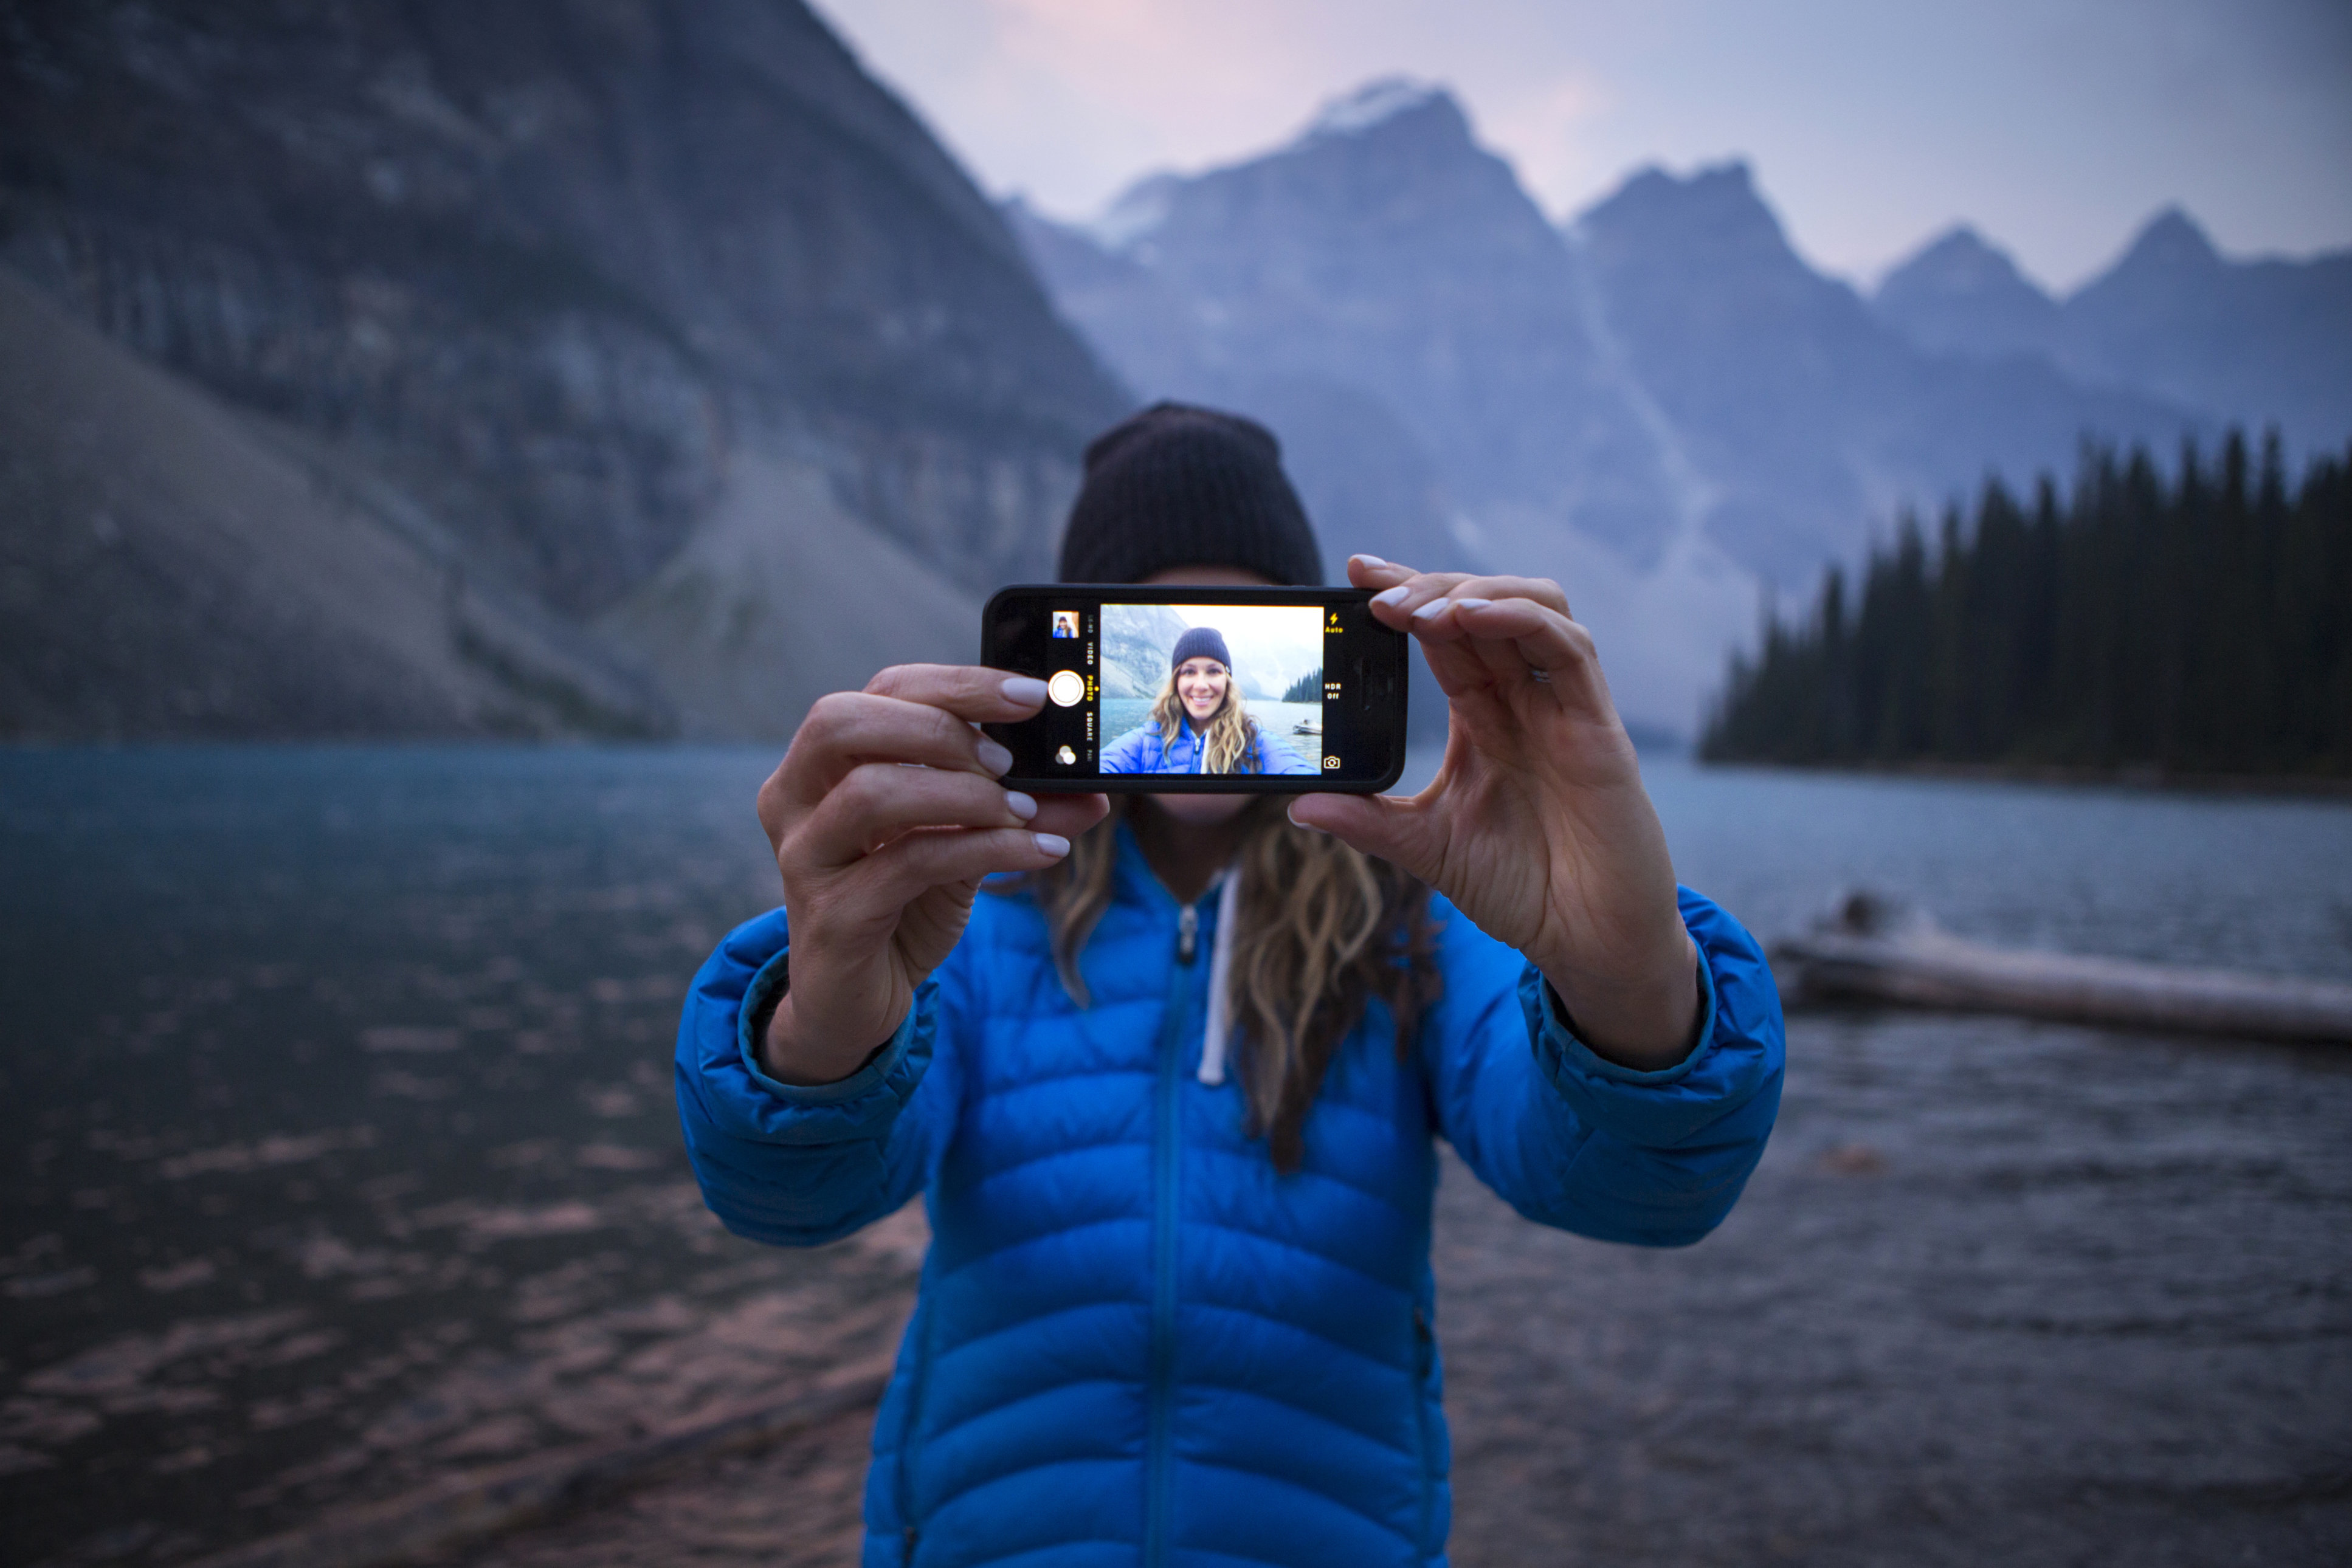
(1658,403)
(614,368)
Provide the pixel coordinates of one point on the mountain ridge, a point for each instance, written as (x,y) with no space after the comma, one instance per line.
(2256,342)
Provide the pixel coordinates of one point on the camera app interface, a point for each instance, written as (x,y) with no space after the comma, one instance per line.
(1201,689)
(1211,688)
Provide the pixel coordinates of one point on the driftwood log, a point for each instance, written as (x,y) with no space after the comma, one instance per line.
(1871,948)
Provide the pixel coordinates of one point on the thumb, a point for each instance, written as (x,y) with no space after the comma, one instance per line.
(1378,825)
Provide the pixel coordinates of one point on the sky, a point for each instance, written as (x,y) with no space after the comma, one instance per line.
(2056,127)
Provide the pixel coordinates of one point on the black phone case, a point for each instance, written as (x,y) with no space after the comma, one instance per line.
(996,657)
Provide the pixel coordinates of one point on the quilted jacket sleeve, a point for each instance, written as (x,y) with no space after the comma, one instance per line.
(797,1167)
(1574,1140)
(1137,751)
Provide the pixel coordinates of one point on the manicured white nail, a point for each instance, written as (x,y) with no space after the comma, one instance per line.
(995,757)
(1291,811)
(1432,610)
(1393,596)
(1472,604)
(1367,560)
(1023,805)
(1053,844)
(1026,690)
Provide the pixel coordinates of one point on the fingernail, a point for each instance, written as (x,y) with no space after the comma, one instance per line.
(995,757)
(1430,610)
(1052,844)
(1023,805)
(1291,811)
(1368,560)
(1026,690)
(1393,596)
(1472,604)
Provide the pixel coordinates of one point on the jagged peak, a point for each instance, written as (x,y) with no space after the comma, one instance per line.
(1376,103)
(1137,212)
(1730,183)
(2170,239)
(1962,243)
(1715,196)
(1959,260)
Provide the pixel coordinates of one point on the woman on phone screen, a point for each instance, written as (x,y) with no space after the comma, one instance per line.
(1200,723)
(1170,1088)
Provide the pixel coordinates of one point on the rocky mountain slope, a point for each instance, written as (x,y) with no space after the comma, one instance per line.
(1660,404)
(604,293)
(1136,641)
(171,568)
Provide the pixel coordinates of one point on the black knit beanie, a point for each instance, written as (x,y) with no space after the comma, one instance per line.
(1179,486)
(1200,643)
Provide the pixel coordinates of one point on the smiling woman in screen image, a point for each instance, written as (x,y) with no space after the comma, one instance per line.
(1170,1090)
(1200,722)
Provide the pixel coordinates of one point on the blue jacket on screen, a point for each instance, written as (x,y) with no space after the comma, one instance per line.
(1144,750)
(1136,1343)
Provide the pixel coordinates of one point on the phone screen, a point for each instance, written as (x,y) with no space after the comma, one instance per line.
(1217,690)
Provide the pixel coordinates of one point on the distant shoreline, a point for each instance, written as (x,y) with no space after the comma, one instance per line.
(2148,780)
(2152,780)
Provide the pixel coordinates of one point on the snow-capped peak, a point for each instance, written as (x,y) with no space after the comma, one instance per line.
(1370,104)
(1135,212)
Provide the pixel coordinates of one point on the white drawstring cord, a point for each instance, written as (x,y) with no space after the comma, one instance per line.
(1221,968)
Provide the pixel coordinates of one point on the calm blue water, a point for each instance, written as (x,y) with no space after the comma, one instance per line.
(328,1071)
(2242,882)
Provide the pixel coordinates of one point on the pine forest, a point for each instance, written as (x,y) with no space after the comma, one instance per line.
(2199,624)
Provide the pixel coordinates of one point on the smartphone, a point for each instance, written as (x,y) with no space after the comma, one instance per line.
(1201,690)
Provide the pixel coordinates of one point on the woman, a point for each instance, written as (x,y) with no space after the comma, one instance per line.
(1200,723)
(1172,1314)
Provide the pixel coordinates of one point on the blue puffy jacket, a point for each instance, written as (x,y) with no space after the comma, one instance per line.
(1136,1343)
(1144,750)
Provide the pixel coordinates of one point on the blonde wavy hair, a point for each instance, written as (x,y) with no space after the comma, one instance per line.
(1323,928)
(1229,740)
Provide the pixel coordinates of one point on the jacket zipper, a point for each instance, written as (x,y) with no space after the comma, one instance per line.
(1169,1109)
(1424,1352)
(909,1531)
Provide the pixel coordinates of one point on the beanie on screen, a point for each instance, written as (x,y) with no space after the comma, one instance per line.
(1200,643)
(1179,486)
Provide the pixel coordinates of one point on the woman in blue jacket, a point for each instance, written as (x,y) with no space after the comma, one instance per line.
(1169,1089)
(1200,723)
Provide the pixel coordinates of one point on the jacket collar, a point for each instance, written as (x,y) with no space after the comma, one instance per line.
(1133,878)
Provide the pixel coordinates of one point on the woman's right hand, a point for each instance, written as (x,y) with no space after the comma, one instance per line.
(885,815)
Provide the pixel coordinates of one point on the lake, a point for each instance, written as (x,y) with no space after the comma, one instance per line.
(342,1154)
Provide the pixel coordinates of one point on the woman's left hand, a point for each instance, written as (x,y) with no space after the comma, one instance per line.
(1537,826)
